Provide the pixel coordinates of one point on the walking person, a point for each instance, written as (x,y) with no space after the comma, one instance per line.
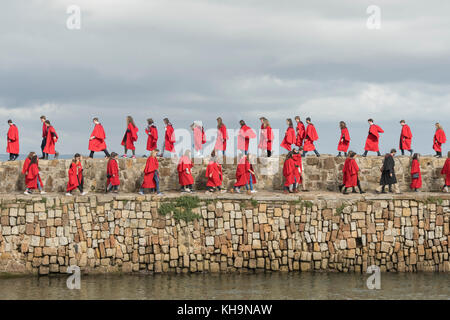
(214,175)
(245,176)
(151,174)
(310,137)
(300,131)
(32,178)
(12,139)
(416,175)
(112,173)
(344,140)
(222,137)
(446,173)
(405,138)
(289,136)
(184,169)
(388,173)
(438,140)
(169,138)
(130,137)
(289,168)
(97,140)
(245,134)
(152,135)
(44,136)
(350,175)
(50,140)
(75,174)
(266,138)
(373,139)
(199,138)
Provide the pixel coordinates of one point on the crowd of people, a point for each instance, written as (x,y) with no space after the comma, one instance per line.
(297,141)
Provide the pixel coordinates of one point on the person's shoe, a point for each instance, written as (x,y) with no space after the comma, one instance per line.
(361,192)
(56,154)
(253,191)
(133,157)
(43,192)
(383,192)
(208,192)
(237,190)
(116,191)
(26,192)
(445,189)
(68,194)
(296,191)
(124,156)
(160,194)
(84,193)
(223,191)
(354,191)
(285,192)
(141,193)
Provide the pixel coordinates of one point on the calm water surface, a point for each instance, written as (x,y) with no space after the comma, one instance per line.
(230,286)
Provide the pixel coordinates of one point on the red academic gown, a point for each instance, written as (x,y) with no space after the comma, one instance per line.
(438,140)
(415,168)
(350,173)
(130,137)
(52,138)
(344,140)
(446,171)
(152,138)
(199,138)
(310,137)
(215,170)
(98,143)
(13,140)
(289,139)
(289,169)
(221,140)
(266,138)
(25,167)
(75,176)
(44,130)
(297,157)
(245,134)
(112,170)
(300,134)
(149,173)
(169,139)
(32,175)
(243,173)
(185,178)
(373,138)
(405,138)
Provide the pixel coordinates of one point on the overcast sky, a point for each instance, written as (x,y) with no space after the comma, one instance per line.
(238,59)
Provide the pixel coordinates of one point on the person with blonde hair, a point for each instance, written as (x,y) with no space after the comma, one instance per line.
(438,140)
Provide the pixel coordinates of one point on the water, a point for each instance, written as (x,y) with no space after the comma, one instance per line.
(277,286)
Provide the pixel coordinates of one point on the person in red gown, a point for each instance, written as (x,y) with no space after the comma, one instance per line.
(184,169)
(297,157)
(245,134)
(446,172)
(44,136)
(75,176)
(438,140)
(222,137)
(405,138)
(344,140)
(373,138)
(310,137)
(289,136)
(32,177)
(51,139)
(199,138)
(152,135)
(214,175)
(300,131)
(245,176)
(112,173)
(350,173)
(169,138)
(130,137)
(266,138)
(289,173)
(12,139)
(151,174)
(416,175)
(97,140)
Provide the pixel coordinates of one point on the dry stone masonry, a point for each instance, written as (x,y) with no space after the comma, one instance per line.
(236,233)
(324,173)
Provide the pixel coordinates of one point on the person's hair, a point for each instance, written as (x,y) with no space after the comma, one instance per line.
(342,125)
(77,155)
(219,122)
(47,122)
(297,117)
(130,120)
(166,120)
(10,121)
(351,154)
(242,123)
(263,119)
(290,124)
(308,119)
(415,156)
(213,153)
(154,151)
(31,154)
(289,155)
(438,125)
(43,117)
(113,155)
(402,121)
(187,152)
(95,119)
(266,123)
(34,159)
(150,121)
(370,120)
(393,151)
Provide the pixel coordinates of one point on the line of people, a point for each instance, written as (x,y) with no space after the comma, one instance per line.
(245,174)
(300,136)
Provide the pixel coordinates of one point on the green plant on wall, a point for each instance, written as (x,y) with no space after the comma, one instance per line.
(340,209)
(433,200)
(305,204)
(181,208)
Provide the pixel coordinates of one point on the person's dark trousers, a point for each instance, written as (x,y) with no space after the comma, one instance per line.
(81,184)
(43,143)
(269,153)
(403,151)
(91,155)
(315,151)
(13,156)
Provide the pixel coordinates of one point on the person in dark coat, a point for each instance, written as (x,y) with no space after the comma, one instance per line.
(388,171)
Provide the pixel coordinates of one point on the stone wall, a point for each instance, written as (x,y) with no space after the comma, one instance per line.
(102,233)
(323,173)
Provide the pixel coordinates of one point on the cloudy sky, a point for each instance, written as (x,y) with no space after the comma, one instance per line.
(238,59)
